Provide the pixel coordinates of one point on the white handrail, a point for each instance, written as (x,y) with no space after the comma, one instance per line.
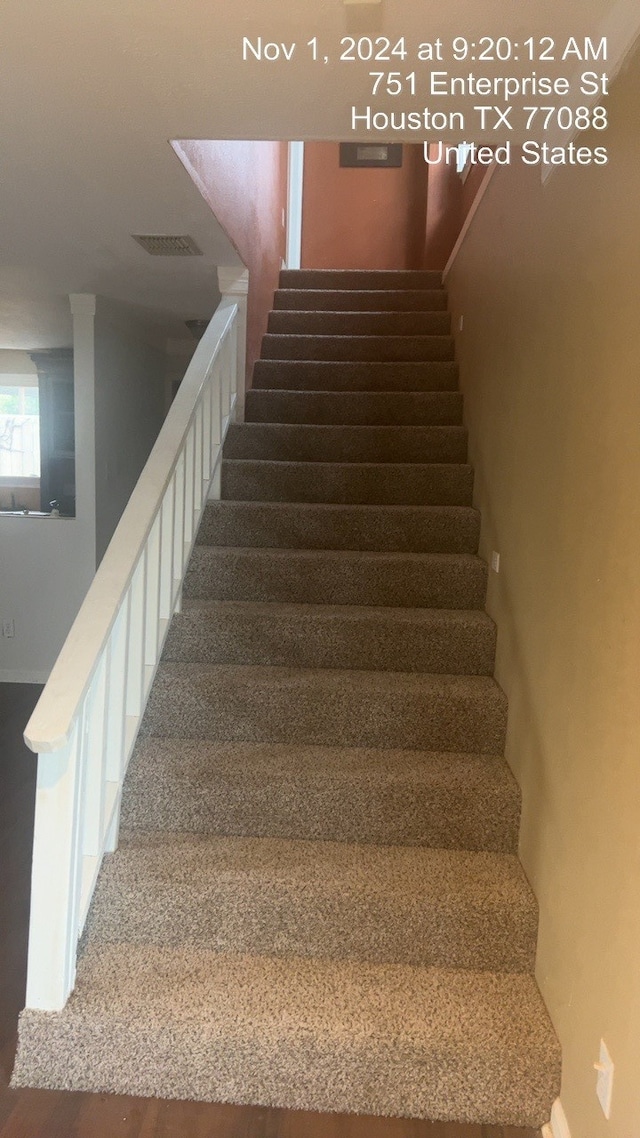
(85,724)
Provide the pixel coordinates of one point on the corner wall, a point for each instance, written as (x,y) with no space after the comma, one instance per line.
(449,201)
(245,184)
(548,279)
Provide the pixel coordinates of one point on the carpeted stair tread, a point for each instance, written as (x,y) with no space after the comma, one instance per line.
(346,375)
(325,323)
(304,442)
(452,641)
(361,300)
(312,525)
(390,348)
(312,1034)
(327,706)
(360,278)
(337,900)
(385,797)
(356,408)
(336,577)
(363,483)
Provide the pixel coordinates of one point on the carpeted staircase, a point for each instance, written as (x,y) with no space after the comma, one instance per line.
(317,901)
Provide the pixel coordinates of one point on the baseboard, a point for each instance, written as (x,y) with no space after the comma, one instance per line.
(558,1127)
(8,676)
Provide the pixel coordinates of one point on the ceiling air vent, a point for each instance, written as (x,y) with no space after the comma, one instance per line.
(166,245)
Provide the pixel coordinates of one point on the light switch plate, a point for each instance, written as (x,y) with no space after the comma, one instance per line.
(604,1083)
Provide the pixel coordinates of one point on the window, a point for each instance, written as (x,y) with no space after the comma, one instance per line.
(463,164)
(19,427)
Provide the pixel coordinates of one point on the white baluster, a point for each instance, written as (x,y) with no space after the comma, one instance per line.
(167,530)
(135,643)
(178,534)
(189,475)
(198,466)
(152,601)
(116,744)
(95,760)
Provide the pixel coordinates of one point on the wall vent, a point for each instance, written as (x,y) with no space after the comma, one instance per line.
(167,245)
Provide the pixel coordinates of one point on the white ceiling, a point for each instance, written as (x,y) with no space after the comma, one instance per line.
(92,92)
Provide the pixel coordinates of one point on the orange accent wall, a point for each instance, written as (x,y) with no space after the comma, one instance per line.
(245,184)
(362,218)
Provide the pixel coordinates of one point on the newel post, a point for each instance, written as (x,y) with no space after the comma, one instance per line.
(233,282)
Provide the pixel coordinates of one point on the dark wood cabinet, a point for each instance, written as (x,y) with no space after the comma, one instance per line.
(57,430)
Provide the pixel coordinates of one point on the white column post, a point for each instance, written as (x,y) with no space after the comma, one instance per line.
(83,311)
(233,282)
(294,204)
(55,876)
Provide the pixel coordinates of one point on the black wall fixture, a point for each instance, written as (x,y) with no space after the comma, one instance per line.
(370,154)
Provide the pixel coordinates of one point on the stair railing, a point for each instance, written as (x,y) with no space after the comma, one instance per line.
(85,724)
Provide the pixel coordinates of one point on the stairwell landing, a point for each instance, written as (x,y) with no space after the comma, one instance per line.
(317,901)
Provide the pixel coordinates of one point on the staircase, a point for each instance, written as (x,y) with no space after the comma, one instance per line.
(317,902)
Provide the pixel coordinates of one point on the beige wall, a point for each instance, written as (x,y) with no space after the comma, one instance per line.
(549,283)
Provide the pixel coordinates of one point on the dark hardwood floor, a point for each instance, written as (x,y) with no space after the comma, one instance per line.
(54,1114)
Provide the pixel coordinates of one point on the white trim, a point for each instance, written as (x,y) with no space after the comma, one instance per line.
(233,280)
(83,308)
(7,676)
(20,481)
(82,303)
(558,1127)
(621,28)
(469,218)
(294,205)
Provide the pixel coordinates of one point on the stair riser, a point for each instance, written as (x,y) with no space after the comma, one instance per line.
(299,707)
(447,801)
(400,408)
(446,644)
(496,1069)
(251,480)
(283,525)
(284,910)
(317,375)
(318,578)
(360,279)
(359,323)
(361,300)
(366,348)
(293,443)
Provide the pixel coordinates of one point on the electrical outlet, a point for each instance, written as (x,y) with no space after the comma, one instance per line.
(8,628)
(604,1082)
(495,561)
